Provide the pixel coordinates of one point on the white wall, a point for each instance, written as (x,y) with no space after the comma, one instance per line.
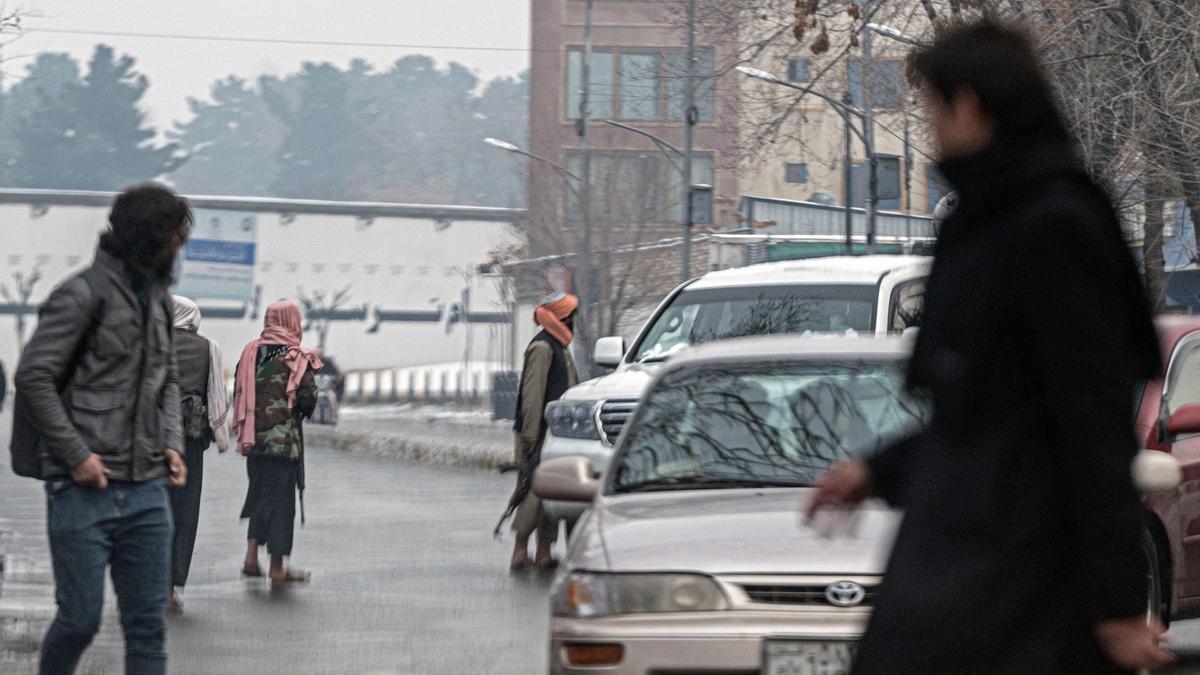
(398,263)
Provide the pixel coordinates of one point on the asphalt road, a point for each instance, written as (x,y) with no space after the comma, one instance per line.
(406,578)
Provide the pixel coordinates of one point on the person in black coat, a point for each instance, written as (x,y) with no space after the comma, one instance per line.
(1020,550)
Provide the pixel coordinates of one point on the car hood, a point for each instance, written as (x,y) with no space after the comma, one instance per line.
(628,382)
(744,531)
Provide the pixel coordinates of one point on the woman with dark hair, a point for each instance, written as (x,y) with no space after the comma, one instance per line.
(274,391)
(1020,549)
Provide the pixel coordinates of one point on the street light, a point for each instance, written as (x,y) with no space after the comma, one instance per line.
(503,145)
(842,108)
(846,110)
(509,147)
(895,34)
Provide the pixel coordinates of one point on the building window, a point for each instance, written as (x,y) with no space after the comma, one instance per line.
(677,84)
(600,89)
(634,188)
(639,84)
(887,170)
(887,90)
(798,70)
(936,187)
(797,172)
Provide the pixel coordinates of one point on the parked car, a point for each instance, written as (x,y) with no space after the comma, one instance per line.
(865,295)
(1168,421)
(692,558)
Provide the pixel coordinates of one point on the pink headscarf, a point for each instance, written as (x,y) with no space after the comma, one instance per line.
(281,326)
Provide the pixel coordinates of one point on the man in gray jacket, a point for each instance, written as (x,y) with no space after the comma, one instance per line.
(99,377)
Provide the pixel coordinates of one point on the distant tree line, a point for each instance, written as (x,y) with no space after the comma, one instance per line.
(410,133)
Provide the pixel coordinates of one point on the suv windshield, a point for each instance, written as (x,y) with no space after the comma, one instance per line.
(715,314)
(771,424)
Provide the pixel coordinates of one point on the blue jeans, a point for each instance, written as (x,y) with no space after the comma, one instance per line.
(126,527)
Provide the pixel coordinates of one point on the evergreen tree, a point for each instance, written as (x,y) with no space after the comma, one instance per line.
(327,151)
(91,135)
(46,76)
(231,143)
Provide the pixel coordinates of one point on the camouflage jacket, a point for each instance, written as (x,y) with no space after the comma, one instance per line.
(277,431)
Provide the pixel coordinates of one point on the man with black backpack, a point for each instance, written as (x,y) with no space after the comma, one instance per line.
(97,417)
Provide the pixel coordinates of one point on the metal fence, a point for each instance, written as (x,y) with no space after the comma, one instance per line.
(788,216)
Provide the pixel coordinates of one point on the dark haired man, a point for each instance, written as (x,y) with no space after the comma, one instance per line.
(99,378)
(1020,549)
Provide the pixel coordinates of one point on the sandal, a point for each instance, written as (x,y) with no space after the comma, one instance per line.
(292,576)
(255,572)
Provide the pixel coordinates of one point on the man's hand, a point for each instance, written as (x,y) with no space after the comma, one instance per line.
(91,472)
(1134,644)
(178,468)
(846,484)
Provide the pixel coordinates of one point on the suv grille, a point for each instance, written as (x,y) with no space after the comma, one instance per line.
(614,413)
(807,594)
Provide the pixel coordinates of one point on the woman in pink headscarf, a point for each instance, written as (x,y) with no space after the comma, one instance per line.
(274,391)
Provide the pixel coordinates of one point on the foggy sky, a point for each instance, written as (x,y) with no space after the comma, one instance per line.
(181,68)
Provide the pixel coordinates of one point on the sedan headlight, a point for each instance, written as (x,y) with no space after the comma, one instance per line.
(573,419)
(585,594)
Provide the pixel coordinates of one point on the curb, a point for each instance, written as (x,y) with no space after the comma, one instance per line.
(421,450)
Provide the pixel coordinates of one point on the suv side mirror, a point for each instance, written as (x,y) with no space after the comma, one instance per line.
(1184,421)
(566,479)
(1155,472)
(608,351)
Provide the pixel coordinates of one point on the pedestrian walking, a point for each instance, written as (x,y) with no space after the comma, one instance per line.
(274,391)
(1020,550)
(99,399)
(204,407)
(548,372)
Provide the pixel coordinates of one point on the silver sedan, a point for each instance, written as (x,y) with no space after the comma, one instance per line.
(692,556)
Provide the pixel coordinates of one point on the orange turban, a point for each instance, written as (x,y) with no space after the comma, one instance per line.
(551,314)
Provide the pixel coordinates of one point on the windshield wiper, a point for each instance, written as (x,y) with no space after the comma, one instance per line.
(706,483)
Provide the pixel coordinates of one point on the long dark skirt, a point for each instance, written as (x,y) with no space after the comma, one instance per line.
(271,502)
(185,507)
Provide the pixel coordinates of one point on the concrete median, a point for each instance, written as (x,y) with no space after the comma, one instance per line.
(459,441)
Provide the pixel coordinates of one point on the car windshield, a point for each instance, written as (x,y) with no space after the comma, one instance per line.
(715,314)
(772,424)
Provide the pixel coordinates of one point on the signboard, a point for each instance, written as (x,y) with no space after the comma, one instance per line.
(218,260)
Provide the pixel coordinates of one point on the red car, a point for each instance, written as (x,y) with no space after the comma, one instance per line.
(1168,420)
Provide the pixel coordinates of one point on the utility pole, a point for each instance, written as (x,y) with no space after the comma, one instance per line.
(868,106)
(848,174)
(585,280)
(908,160)
(689,115)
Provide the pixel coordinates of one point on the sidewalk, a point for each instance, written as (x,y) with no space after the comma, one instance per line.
(433,435)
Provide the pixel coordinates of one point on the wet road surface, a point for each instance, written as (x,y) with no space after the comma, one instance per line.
(406,578)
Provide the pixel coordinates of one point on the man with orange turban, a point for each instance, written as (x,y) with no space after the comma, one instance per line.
(548,373)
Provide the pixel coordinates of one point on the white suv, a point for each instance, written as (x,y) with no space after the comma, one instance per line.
(865,295)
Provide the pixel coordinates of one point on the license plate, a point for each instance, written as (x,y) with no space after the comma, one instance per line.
(803,657)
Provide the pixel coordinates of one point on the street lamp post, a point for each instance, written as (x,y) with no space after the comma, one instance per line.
(690,115)
(562,170)
(846,110)
(866,86)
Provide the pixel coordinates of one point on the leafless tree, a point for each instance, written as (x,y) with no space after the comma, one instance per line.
(18,296)
(319,307)
(1127,71)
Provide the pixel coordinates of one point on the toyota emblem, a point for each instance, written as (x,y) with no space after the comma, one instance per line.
(845,593)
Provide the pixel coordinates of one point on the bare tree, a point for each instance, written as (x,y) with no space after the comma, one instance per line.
(18,296)
(319,308)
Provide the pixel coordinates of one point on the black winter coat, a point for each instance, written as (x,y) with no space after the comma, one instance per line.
(1022,525)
